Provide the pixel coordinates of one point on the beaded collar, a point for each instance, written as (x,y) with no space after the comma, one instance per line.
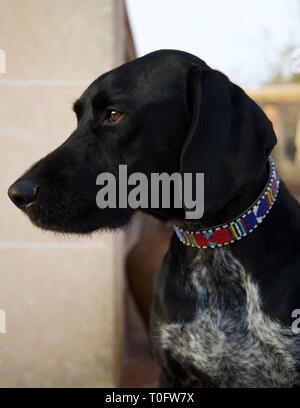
(239,227)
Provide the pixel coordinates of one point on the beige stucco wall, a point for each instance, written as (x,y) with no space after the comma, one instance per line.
(62,296)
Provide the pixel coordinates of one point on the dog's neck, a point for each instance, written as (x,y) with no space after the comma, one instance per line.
(241,201)
(270,255)
(233,208)
(232,223)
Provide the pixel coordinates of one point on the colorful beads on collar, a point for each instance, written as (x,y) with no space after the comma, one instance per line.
(239,227)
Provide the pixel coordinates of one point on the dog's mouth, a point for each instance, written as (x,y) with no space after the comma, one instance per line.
(55,219)
(52,208)
(75,220)
(65,210)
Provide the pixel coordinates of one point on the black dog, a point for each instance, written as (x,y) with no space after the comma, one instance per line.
(222,317)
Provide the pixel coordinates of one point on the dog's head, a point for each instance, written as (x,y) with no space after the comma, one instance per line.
(165,112)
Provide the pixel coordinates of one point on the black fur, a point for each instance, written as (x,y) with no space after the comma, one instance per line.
(179,115)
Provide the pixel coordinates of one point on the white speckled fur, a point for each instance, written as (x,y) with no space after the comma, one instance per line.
(230,339)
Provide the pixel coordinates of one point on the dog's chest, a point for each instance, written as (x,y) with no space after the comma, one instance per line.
(228,341)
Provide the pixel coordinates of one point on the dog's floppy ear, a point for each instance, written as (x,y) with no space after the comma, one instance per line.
(229,140)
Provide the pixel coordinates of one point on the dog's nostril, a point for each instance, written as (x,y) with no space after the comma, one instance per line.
(23,192)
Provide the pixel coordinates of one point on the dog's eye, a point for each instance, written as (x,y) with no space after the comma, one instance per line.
(113,116)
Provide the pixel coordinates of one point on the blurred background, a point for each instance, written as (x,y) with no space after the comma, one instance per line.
(77,309)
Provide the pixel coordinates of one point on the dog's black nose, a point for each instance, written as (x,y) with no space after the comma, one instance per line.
(23,192)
